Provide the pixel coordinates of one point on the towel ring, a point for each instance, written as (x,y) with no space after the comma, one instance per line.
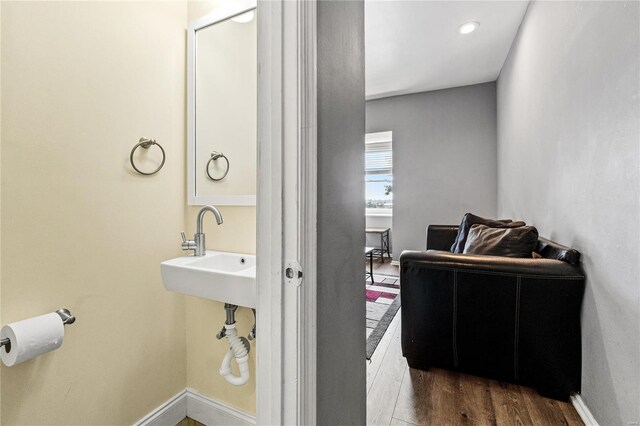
(214,157)
(145,143)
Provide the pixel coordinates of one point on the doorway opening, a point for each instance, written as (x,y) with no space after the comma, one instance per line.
(431,71)
(382,285)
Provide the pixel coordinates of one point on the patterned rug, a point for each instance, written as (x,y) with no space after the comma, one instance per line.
(383,302)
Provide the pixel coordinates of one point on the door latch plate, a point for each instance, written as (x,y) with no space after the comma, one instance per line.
(293,273)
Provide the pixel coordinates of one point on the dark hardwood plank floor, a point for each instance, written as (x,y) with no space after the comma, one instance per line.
(398,395)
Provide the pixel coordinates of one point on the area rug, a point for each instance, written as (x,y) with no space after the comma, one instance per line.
(383,303)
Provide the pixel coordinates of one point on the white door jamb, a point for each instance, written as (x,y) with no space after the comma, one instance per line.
(287,194)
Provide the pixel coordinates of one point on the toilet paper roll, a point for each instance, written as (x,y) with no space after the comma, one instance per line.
(31,337)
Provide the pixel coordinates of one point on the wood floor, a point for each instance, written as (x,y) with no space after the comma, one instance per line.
(385,268)
(188,421)
(398,395)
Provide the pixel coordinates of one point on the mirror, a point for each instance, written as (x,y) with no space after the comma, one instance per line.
(222,107)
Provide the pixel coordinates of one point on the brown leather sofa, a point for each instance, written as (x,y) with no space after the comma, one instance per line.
(511,319)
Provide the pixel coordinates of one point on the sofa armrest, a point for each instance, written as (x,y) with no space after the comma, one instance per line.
(437,259)
(441,237)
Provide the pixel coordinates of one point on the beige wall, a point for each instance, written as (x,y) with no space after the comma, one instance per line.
(205,318)
(82,230)
(199,8)
(82,82)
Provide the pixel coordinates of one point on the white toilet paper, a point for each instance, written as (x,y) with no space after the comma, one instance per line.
(31,337)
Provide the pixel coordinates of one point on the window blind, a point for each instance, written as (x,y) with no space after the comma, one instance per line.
(378,158)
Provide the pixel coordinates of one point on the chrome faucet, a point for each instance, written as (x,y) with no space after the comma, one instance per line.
(198,244)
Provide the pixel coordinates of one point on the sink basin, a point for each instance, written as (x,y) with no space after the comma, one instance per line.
(222,276)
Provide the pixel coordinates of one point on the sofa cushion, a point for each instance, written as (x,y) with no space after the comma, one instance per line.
(469,220)
(507,242)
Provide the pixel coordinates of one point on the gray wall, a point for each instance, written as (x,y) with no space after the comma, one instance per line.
(444,157)
(568,135)
(341,302)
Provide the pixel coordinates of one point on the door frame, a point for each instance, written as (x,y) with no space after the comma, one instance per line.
(286,212)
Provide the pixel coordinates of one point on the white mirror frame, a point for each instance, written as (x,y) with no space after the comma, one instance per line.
(222,14)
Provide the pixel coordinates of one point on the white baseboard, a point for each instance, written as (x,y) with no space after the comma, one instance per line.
(212,413)
(583,410)
(169,413)
(192,404)
(395,262)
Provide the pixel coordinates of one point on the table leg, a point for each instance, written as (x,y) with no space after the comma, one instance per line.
(382,247)
(388,246)
(371,266)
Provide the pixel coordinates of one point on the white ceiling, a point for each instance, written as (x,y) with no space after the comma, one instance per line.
(414,46)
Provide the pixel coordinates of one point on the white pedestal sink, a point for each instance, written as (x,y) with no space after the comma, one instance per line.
(222,276)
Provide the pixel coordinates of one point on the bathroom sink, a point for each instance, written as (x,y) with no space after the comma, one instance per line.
(222,276)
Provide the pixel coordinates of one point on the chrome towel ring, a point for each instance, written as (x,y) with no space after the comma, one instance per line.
(146,143)
(214,156)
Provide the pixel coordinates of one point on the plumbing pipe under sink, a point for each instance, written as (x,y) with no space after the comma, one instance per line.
(239,352)
(239,348)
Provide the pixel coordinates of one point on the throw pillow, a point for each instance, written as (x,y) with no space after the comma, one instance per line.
(508,242)
(469,220)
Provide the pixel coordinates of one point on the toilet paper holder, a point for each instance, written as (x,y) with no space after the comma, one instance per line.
(65,316)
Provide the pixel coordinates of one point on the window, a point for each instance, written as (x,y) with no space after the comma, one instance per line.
(378,174)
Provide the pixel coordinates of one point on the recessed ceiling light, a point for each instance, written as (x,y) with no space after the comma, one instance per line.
(244,18)
(468,27)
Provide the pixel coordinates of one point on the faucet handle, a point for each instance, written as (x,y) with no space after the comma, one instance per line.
(187,244)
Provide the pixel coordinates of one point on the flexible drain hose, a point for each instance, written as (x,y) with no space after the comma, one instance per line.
(239,351)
